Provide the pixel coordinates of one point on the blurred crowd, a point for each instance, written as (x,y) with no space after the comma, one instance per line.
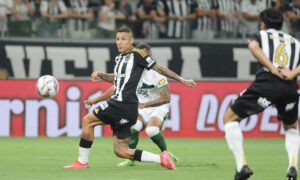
(150,19)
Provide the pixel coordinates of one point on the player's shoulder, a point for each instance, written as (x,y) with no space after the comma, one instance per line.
(139,52)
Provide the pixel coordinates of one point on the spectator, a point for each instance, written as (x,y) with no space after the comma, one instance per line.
(179,14)
(3,16)
(107,19)
(251,10)
(52,12)
(80,16)
(148,16)
(20,23)
(129,17)
(295,17)
(205,12)
(285,9)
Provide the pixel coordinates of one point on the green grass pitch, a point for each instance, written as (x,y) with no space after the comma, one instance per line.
(43,158)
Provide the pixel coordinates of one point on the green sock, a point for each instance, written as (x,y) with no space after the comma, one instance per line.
(159,140)
(134,139)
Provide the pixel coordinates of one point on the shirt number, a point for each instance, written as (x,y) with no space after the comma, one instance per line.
(281,57)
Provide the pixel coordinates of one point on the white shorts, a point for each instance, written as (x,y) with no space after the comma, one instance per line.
(161,112)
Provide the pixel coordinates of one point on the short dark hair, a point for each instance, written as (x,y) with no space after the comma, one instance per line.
(272,18)
(125,29)
(143,45)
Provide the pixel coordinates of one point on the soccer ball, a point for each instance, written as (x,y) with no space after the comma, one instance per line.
(47,86)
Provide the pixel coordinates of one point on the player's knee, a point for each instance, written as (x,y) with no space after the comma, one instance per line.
(152,131)
(138,126)
(121,152)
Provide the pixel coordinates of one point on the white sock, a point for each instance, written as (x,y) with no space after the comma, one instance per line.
(150,157)
(292,142)
(234,138)
(83,155)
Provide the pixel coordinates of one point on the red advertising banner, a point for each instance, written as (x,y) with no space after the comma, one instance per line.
(194,112)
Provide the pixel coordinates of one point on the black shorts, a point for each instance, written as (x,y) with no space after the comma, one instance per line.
(265,92)
(120,116)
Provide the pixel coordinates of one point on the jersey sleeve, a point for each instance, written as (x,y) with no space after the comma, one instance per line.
(255,37)
(142,59)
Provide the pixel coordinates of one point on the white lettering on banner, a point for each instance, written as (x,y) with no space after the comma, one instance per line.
(248,124)
(224,106)
(162,55)
(243,58)
(73,111)
(191,67)
(99,57)
(266,125)
(6,107)
(207,112)
(32,117)
(16,56)
(58,56)
(35,55)
(174,122)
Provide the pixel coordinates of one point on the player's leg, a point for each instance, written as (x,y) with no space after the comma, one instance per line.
(87,137)
(292,142)
(134,139)
(153,130)
(234,137)
(135,131)
(121,149)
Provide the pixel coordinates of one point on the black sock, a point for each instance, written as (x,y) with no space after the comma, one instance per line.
(85,143)
(137,155)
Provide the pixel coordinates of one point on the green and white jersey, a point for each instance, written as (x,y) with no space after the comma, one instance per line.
(152,82)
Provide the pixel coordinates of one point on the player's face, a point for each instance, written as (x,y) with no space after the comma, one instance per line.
(124,42)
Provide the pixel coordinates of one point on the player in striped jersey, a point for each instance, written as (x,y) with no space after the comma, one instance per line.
(154,96)
(122,110)
(275,84)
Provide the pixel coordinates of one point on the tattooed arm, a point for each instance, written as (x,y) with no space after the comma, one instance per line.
(96,76)
(170,74)
(163,99)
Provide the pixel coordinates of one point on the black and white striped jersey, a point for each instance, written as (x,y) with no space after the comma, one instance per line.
(281,48)
(227,7)
(204,23)
(76,24)
(128,72)
(178,29)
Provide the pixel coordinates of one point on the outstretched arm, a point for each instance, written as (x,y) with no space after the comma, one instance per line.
(107,94)
(96,76)
(170,74)
(163,99)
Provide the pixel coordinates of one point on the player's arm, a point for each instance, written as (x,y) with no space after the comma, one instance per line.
(288,74)
(96,76)
(170,74)
(262,58)
(107,94)
(164,98)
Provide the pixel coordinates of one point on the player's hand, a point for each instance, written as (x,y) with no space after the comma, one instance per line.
(90,102)
(141,105)
(189,83)
(286,73)
(276,72)
(96,76)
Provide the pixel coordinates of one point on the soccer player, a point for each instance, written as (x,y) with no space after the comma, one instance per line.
(153,95)
(122,110)
(275,84)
